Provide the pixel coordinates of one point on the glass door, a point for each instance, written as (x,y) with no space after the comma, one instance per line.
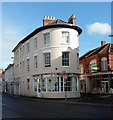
(105,86)
(38,88)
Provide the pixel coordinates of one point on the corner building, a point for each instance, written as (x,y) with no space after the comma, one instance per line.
(46,62)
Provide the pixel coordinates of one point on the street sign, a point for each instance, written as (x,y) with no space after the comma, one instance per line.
(95,67)
(65,77)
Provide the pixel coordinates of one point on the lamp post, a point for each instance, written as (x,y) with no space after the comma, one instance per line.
(64,72)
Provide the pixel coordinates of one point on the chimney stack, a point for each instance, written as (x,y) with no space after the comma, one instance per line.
(103,43)
(48,20)
(72,20)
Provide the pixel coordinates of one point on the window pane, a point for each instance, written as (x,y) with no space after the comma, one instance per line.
(43,84)
(28,66)
(35,43)
(49,84)
(46,38)
(57,84)
(104,65)
(65,37)
(35,61)
(61,83)
(47,58)
(65,59)
(27,47)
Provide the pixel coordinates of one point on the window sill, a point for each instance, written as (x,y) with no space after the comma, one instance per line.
(65,43)
(59,91)
(47,67)
(65,66)
(46,44)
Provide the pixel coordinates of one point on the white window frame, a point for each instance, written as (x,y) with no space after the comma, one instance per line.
(23,66)
(28,64)
(20,67)
(46,38)
(92,62)
(81,68)
(20,52)
(66,59)
(65,39)
(55,85)
(28,47)
(23,49)
(46,59)
(35,43)
(104,64)
(36,61)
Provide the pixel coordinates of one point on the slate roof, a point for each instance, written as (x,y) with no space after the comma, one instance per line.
(55,24)
(105,49)
(58,21)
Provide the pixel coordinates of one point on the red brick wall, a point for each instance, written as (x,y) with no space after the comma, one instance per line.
(86,62)
(72,21)
(46,22)
(111,61)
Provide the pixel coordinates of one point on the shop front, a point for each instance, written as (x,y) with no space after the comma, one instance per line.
(57,85)
(102,83)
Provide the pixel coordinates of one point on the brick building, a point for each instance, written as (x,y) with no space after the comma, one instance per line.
(97,69)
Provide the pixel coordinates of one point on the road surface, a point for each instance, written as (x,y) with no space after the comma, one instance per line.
(20,107)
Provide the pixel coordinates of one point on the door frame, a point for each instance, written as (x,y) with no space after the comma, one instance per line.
(105,86)
(38,87)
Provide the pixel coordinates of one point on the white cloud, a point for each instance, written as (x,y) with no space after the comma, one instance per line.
(99,28)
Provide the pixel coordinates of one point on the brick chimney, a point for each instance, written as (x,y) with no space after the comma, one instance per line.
(72,20)
(103,43)
(48,20)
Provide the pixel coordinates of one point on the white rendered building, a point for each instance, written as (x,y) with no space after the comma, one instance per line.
(46,62)
(9,79)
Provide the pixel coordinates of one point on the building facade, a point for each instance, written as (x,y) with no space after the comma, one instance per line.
(46,62)
(8,79)
(97,70)
(3,82)
(1,71)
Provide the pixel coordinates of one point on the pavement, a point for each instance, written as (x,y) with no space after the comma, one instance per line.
(95,99)
(90,99)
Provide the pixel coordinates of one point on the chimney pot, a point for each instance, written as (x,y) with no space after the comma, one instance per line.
(48,17)
(72,19)
(48,20)
(103,43)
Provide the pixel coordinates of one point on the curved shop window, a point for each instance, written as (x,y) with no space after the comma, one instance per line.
(59,84)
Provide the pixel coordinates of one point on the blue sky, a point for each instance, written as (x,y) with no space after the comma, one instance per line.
(21,18)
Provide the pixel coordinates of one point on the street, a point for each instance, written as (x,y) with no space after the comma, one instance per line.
(21,107)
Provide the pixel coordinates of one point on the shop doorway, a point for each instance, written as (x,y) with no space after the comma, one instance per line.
(38,88)
(105,86)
